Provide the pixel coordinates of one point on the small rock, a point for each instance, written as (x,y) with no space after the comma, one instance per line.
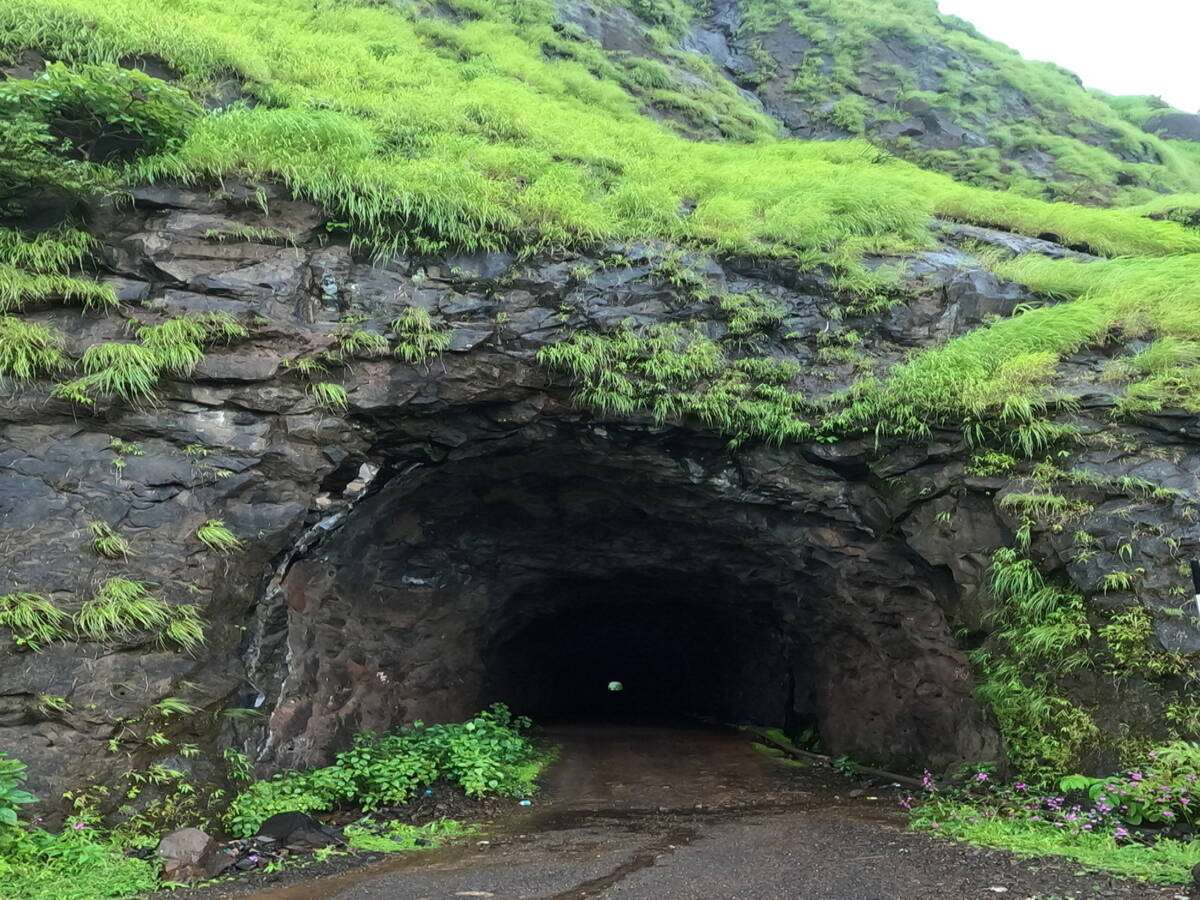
(191,855)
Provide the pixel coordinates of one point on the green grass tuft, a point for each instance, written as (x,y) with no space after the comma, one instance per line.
(328,395)
(108,542)
(214,535)
(33,620)
(120,610)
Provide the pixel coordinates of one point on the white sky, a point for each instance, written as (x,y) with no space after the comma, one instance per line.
(1118,46)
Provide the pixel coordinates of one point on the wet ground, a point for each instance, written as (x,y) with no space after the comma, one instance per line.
(667,813)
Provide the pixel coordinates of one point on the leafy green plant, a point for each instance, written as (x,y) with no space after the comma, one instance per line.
(487,755)
(216,536)
(108,542)
(52,703)
(1135,649)
(12,795)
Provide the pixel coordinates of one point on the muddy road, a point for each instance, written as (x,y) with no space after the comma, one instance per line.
(642,810)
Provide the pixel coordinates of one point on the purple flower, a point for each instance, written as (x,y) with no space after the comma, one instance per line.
(1120,833)
(906,803)
(927,781)
(1167,814)
(79,826)
(1020,786)
(981,777)
(1135,776)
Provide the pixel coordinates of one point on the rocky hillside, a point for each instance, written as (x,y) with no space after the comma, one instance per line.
(925,86)
(343,342)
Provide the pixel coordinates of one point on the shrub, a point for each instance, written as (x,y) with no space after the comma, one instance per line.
(487,755)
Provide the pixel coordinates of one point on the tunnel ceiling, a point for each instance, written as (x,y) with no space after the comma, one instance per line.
(480,577)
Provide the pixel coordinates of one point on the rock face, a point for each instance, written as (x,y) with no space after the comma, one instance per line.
(1176,126)
(466,533)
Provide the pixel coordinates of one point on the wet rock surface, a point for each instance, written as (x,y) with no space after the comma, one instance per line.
(400,552)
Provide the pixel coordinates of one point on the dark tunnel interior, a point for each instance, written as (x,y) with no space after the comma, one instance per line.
(678,647)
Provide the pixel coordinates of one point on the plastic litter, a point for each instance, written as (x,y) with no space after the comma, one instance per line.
(615,686)
(525,803)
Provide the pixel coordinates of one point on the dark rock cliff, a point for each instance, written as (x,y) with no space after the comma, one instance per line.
(399,552)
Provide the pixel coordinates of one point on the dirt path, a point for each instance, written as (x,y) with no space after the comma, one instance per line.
(645,811)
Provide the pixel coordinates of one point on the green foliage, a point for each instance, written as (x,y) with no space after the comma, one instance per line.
(132,371)
(398,837)
(328,395)
(12,795)
(19,289)
(1042,634)
(351,342)
(52,252)
(1164,861)
(750,313)
(675,373)
(991,463)
(214,535)
(121,609)
(108,542)
(1135,649)
(28,350)
(33,620)
(418,337)
(1045,507)
(81,862)
(487,755)
(128,371)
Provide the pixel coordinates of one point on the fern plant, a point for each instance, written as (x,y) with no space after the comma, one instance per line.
(418,337)
(351,342)
(216,536)
(28,350)
(108,542)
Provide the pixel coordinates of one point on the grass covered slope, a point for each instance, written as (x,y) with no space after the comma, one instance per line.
(425,132)
(884,68)
(478,126)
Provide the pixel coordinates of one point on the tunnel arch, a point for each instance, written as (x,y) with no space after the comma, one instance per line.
(512,570)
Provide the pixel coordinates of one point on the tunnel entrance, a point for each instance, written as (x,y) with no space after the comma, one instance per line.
(678,646)
(772,591)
